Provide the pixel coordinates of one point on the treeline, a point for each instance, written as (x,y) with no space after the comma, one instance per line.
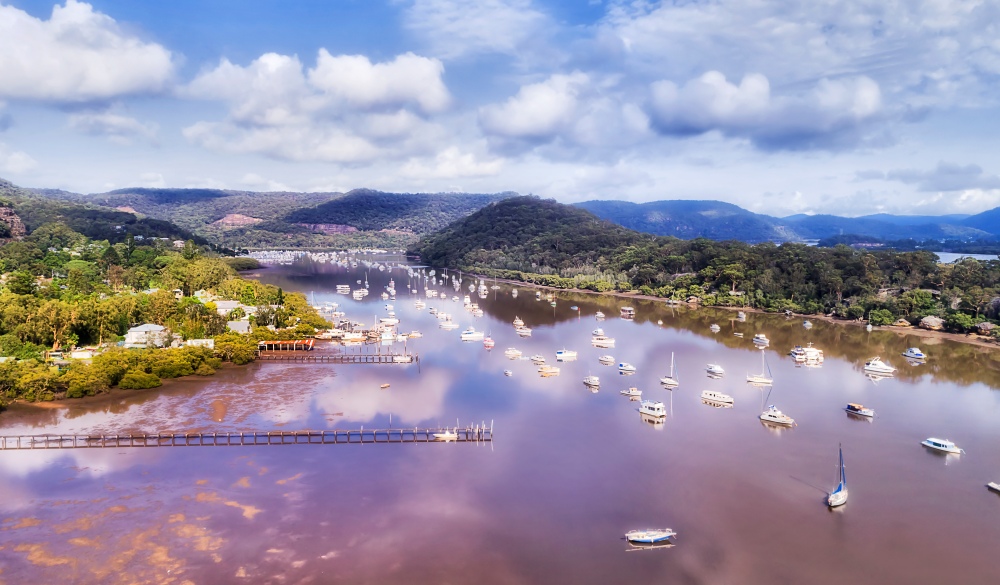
(983,246)
(548,243)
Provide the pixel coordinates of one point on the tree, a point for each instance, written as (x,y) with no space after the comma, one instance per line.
(22,283)
(58,317)
(880,317)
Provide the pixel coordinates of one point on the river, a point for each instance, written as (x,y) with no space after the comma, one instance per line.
(568,473)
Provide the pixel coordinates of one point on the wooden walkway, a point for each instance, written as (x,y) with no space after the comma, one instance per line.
(473,434)
(340,358)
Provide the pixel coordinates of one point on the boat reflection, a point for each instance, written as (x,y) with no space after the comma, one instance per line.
(653,421)
(858,417)
(775,428)
(716,404)
(634,546)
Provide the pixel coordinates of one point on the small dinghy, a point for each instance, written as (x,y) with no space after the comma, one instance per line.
(650,535)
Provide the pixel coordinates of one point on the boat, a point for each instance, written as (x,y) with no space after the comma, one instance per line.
(761,339)
(633,391)
(488,342)
(671,380)
(838,497)
(775,416)
(764,377)
(537,359)
(513,293)
(448,325)
(599,315)
(942,445)
(714,328)
(574,308)
(877,366)
(607,360)
(415,335)
(627,313)
(993,486)
(523,331)
(508,373)
(713,396)
(626,367)
(859,409)
(652,408)
(807,324)
(738,334)
(592,381)
(419,304)
(597,332)
(602,341)
(384,386)
(715,370)
(553,303)
(806,354)
(538,296)
(512,352)
(914,353)
(446,435)
(650,536)
(548,370)
(741,316)
(565,355)
(518,322)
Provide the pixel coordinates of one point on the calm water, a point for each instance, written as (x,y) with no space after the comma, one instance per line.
(570,471)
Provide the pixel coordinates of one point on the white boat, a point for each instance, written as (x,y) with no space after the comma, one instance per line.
(807,324)
(806,354)
(741,316)
(608,360)
(467,300)
(512,352)
(715,370)
(523,331)
(508,373)
(714,328)
(471,334)
(591,381)
(402,359)
(565,355)
(446,435)
(838,497)
(626,367)
(389,321)
(652,408)
(761,339)
(914,353)
(738,334)
(415,335)
(419,304)
(602,341)
(877,366)
(942,445)
(599,315)
(537,359)
(650,536)
(993,487)
(714,396)
(764,377)
(538,295)
(448,325)
(488,343)
(671,380)
(859,409)
(633,391)
(518,322)
(597,332)
(775,416)
(627,313)
(513,293)
(548,370)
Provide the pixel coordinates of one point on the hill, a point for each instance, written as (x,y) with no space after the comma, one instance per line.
(94,222)
(988,221)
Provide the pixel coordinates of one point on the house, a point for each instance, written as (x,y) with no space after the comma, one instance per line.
(209,343)
(81,354)
(225,307)
(239,326)
(147,335)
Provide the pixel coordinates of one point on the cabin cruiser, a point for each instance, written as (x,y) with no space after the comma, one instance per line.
(523,331)
(775,416)
(446,435)
(715,370)
(943,445)
(415,335)
(508,373)
(565,355)
(537,359)
(546,371)
(807,324)
(914,353)
(633,391)
(653,408)
(761,339)
(714,328)
(602,341)
(512,352)
(713,396)
(597,332)
(471,334)
(806,354)
(877,366)
(448,325)
(607,360)
(518,322)
(741,316)
(859,409)
(627,313)
(626,367)
(488,343)
(591,381)
(599,315)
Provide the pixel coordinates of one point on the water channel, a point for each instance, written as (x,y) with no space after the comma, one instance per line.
(568,473)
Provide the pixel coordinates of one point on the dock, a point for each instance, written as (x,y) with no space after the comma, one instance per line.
(480,433)
(339,358)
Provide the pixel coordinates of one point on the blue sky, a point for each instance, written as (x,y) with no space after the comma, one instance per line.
(847,107)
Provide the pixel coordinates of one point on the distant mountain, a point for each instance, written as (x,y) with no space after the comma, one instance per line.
(723,221)
(419,213)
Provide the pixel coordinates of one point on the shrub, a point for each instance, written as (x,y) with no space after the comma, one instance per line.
(139,380)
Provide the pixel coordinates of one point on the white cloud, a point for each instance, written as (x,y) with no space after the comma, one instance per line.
(14,161)
(77,55)
(456,28)
(539,111)
(452,163)
(345,110)
(152,180)
(256,182)
(116,127)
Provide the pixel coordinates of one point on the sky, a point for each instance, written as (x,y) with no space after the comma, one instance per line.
(848,107)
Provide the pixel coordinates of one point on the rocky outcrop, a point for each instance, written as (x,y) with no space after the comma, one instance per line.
(329,228)
(237,220)
(933,323)
(13,223)
(902,323)
(985,328)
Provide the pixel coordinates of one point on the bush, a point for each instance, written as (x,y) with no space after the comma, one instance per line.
(958,322)
(204,370)
(880,317)
(139,380)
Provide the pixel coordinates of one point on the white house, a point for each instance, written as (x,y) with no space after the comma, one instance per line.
(148,335)
(209,343)
(239,326)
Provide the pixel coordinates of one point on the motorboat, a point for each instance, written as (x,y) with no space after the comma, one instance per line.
(538,296)
(602,341)
(446,435)
(993,487)
(597,332)
(591,381)
(715,370)
(633,391)
(402,359)
(512,352)
(741,316)
(859,409)
(627,313)
(537,359)
(419,304)
(761,339)
(546,371)
(513,293)
(565,355)
(714,328)
(914,353)
(599,315)
(626,367)
(415,335)
(671,380)
(764,377)
(775,416)
(943,445)
(807,324)
(876,366)
(807,354)
(653,408)
(448,325)
(838,497)
(523,331)
(488,342)
(518,322)
(650,536)
(607,360)
(713,396)
(508,373)
(738,334)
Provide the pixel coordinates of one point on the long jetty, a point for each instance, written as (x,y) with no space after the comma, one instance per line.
(471,434)
(340,358)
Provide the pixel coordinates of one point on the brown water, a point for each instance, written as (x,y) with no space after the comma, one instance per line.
(570,471)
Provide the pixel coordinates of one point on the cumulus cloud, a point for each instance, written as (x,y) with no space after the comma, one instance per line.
(346,109)
(14,161)
(834,112)
(538,111)
(77,55)
(456,28)
(116,127)
(451,163)
(945,176)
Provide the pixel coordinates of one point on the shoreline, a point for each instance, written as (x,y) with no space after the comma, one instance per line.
(967,338)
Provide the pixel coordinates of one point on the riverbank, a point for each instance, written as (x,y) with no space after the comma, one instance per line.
(970,338)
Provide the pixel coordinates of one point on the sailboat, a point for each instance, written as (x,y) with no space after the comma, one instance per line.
(838,497)
(670,381)
(764,377)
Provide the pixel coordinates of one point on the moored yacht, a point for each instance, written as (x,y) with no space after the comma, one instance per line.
(653,408)
(537,359)
(838,497)
(523,331)
(714,328)
(877,366)
(518,322)
(627,313)
(713,396)
(626,367)
(565,355)
(715,370)
(599,315)
(761,339)
(607,360)
(602,341)
(650,536)
(943,445)
(774,416)
(670,381)
(512,352)
(633,391)
(859,409)
(914,353)
(591,381)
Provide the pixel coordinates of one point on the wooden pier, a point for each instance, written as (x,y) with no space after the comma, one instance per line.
(473,434)
(340,358)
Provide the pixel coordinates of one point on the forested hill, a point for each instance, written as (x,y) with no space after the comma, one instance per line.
(94,222)
(419,213)
(526,233)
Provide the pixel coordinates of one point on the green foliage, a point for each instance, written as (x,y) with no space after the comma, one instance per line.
(139,380)
(958,322)
(880,317)
(242,263)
